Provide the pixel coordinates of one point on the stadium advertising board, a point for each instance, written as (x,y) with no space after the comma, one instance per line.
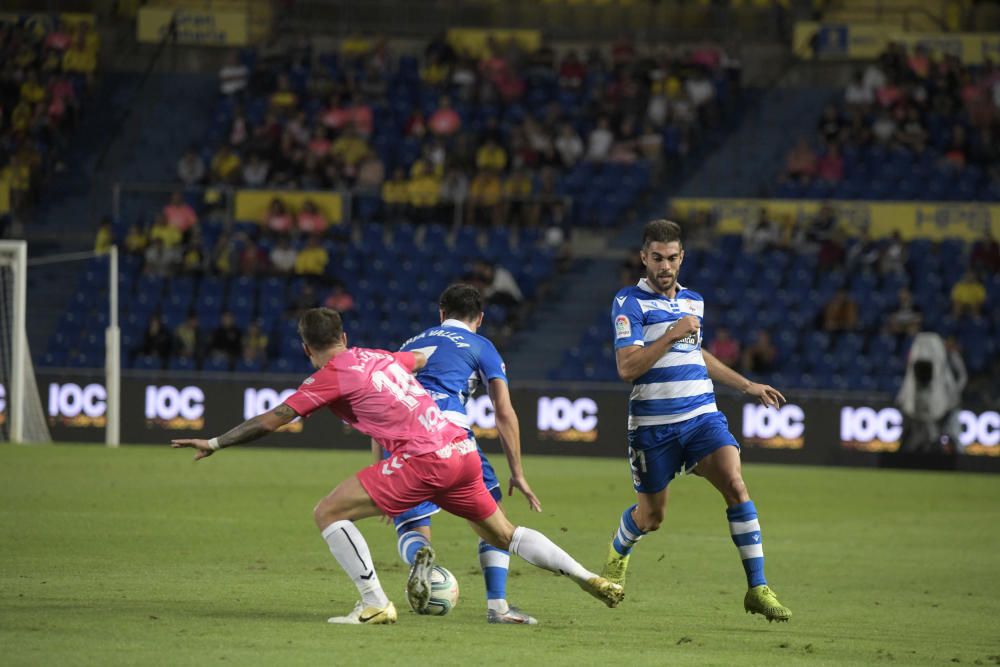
(579,421)
(867,41)
(929,220)
(203,27)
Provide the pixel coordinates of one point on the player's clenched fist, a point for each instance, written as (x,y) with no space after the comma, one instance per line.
(685,326)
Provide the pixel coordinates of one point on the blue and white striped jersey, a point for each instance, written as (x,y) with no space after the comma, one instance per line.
(457,361)
(677,387)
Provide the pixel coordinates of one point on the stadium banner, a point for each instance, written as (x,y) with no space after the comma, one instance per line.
(204,27)
(934,221)
(866,41)
(476,42)
(575,420)
(252,205)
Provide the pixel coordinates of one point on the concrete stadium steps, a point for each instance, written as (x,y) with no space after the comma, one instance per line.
(66,220)
(748,162)
(559,320)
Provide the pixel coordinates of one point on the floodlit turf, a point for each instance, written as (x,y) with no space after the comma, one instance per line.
(138,556)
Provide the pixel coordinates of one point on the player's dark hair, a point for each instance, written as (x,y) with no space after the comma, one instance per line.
(461,302)
(321,328)
(660,231)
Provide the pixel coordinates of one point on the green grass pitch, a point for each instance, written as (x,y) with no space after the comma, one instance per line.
(138,556)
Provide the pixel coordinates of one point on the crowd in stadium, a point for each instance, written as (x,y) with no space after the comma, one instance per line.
(45,68)
(519,141)
(912,125)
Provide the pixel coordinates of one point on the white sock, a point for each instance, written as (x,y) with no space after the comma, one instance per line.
(542,552)
(350,549)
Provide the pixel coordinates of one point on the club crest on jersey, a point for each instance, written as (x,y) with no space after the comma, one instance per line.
(623,329)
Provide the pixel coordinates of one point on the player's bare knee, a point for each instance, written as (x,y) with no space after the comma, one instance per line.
(325,513)
(735,490)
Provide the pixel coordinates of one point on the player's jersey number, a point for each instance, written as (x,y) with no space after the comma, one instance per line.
(405,389)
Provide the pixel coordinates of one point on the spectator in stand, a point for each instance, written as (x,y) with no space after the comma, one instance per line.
(254,345)
(572,72)
(840,313)
(800,164)
(500,286)
(349,149)
(424,190)
(893,260)
(233,76)
(362,118)
(830,167)
(310,220)
(491,156)
(725,348)
(179,214)
(884,129)
(829,126)
(985,255)
(191,168)
(284,99)
(226,166)
(454,187)
(312,259)
(396,195)
(761,356)
(105,237)
(339,299)
(227,339)
(371,174)
(906,320)
(252,259)
(255,172)
(517,191)
(967,297)
(135,240)
(189,340)
(194,261)
(485,196)
(763,235)
(857,94)
(278,220)
(283,256)
(445,121)
(600,141)
(957,150)
(224,259)
(160,259)
(569,146)
(168,235)
(80,58)
(912,134)
(864,254)
(156,340)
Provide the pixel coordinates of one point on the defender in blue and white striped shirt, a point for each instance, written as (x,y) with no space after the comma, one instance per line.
(674,425)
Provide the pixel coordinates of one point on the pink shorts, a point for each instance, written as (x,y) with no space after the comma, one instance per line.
(451,477)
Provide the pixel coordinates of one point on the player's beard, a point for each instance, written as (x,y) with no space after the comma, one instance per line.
(664,284)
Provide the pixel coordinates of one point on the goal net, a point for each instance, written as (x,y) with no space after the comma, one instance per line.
(22,418)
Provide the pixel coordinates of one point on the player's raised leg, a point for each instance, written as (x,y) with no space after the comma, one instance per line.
(335,516)
(643,517)
(542,552)
(722,468)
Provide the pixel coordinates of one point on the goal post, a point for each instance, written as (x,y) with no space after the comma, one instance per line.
(24,419)
(112,356)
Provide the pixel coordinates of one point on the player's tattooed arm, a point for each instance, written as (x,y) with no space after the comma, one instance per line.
(258,427)
(249,430)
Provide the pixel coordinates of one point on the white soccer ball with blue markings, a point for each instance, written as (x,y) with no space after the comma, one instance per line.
(444,592)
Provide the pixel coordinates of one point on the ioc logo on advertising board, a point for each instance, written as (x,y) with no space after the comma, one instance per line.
(568,420)
(482,417)
(71,404)
(175,408)
(870,430)
(259,401)
(774,428)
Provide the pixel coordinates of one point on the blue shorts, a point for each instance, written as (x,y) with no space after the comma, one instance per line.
(657,454)
(421,514)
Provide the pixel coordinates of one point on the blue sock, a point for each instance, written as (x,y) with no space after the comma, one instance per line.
(408,544)
(495,563)
(745,529)
(628,533)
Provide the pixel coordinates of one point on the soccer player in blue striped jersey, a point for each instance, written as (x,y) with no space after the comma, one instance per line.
(458,361)
(674,426)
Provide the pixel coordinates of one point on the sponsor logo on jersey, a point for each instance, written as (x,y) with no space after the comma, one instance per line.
(623,328)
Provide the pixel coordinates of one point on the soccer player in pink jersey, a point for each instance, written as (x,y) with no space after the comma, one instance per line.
(431,459)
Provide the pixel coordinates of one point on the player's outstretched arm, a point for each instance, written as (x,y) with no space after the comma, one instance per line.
(251,429)
(635,360)
(719,372)
(510,439)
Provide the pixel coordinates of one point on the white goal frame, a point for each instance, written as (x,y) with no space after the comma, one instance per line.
(18,250)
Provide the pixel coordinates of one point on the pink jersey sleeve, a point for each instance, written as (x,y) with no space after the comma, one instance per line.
(319,389)
(406,359)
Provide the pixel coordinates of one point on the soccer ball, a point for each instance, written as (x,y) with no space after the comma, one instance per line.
(444,592)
